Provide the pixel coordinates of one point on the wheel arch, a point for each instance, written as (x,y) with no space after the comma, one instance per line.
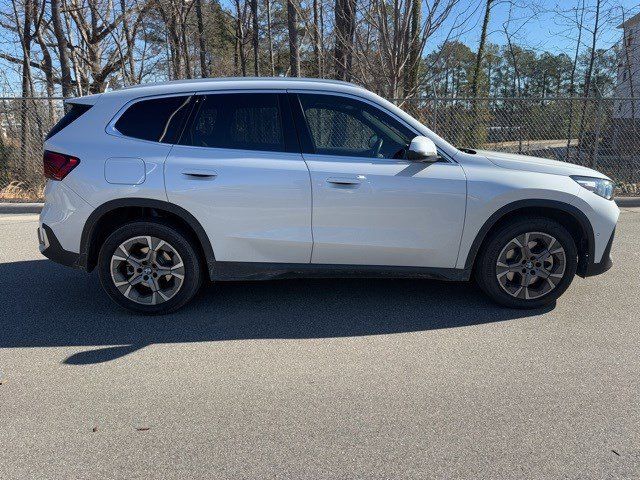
(117,212)
(566,214)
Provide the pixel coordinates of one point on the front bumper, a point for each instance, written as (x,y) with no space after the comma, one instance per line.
(50,247)
(592,268)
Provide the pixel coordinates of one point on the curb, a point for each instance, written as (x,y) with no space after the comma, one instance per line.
(18,207)
(628,201)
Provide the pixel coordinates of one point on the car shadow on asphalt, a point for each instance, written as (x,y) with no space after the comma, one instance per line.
(47,305)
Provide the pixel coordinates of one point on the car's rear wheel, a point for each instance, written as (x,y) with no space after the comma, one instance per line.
(527,263)
(149,267)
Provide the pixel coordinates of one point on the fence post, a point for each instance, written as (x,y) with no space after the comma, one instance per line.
(435,114)
(520,126)
(594,161)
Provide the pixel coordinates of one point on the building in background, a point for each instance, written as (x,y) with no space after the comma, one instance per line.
(626,110)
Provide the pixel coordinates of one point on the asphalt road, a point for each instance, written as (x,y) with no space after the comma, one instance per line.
(317,379)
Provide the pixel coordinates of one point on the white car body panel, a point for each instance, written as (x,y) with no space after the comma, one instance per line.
(65,213)
(257,207)
(398,212)
(494,186)
(88,141)
(526,163)
(602,216)
(275,207)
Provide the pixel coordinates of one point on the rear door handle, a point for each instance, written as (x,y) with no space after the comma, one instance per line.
(344,181)
(198,174)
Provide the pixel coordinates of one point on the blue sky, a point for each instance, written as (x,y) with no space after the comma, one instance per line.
(537,25)
(534,25)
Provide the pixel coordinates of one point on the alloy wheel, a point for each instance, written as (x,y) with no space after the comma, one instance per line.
(147,270)
(531,265)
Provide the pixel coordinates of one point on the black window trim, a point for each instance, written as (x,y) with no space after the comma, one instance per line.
(294,115)
(111,129)
(303,130)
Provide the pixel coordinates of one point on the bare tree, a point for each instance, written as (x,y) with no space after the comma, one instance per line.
(174,14)
(394,44)
(241,36)
(580,13)
(62,47)
(414,47)
(23,29)
(475,79)
(587,79)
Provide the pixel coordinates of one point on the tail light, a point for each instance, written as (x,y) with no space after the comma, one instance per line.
(57,166)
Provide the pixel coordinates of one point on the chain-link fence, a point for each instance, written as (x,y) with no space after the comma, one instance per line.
(601,133)
(24,122)
(596,132)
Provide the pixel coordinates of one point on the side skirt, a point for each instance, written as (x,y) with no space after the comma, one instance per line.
(239,271)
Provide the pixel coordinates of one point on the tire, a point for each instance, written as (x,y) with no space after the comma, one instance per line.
(503,267)
(147,279)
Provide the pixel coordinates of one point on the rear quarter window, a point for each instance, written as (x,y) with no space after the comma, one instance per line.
(74,112)
(156,120)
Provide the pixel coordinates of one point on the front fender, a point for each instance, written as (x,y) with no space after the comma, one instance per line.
(495,192)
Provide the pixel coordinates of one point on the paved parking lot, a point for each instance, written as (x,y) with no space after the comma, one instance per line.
(317,379)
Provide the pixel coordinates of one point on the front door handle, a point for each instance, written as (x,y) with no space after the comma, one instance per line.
(344,181)
(199,174)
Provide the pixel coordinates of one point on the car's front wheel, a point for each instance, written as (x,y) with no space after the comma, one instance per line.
(527,263)
(149,267)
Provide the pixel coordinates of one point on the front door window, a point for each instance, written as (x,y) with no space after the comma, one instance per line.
(343,126)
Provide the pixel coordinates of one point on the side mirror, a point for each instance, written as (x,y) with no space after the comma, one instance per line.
(422,149)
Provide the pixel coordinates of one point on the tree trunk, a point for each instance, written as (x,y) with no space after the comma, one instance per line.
(587,80)
(317,48)
(572,81)
(204,70)
(475,79)
(478,136)
(130,45)
(267,6)
(47,69)
(63,54)
(345,23)
(27,91)
(294,49)
(240,34)
(185,47)
(321,39)
(414,48)
(255,37)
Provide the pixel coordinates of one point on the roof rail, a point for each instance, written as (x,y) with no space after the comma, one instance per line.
(244,79)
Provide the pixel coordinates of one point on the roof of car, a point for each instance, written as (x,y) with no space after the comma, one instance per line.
(241,83)
(226,83)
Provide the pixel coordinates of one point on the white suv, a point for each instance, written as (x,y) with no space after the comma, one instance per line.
(161,186)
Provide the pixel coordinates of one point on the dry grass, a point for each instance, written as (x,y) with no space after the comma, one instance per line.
(628,189)
(20,192)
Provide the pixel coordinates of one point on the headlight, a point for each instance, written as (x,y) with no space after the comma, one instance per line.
(599,186)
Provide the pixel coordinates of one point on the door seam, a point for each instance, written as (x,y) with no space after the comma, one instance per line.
(311,218)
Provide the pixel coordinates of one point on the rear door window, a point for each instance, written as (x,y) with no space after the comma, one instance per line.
(156,120)
(243,121)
